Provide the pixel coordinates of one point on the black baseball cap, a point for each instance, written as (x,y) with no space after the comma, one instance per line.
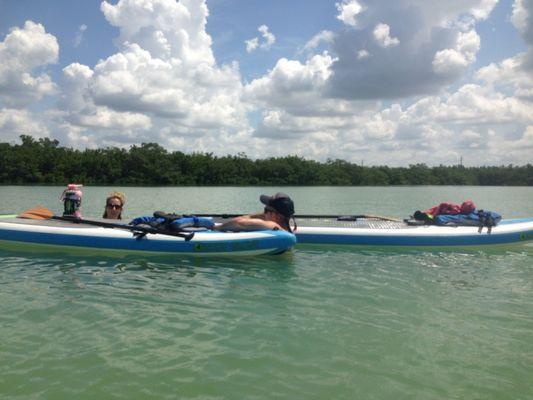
(280,202)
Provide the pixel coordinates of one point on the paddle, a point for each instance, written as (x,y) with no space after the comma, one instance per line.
(41,212)
(337,217)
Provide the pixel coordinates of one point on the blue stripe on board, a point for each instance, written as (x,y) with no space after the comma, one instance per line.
(389,240)
(514,221)
(278,240)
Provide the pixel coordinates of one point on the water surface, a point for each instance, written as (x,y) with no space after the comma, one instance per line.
(318,323)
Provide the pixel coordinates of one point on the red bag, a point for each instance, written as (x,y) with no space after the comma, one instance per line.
(452,209)
(468,207)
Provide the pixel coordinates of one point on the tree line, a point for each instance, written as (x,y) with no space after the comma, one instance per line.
(44,161)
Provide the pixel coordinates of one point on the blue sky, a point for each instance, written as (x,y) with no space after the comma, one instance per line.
(386,82)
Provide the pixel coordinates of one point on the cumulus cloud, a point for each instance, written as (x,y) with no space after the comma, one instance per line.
(75,84)
(80,115)
(268,40)
(472,104)
(515,74)
(292,85)
(23,51)
(477,120)
(521,17)
(382,35)
(510,74)
(348,11)
(473,120)
(105,118)
(164,28)
(526,141)
(16,122)
(362,54)
(79,35)
(164,78)
(482,10)
(321,37)
(251,44)
(453,61)
(163,84)
(334,97)
(416,47)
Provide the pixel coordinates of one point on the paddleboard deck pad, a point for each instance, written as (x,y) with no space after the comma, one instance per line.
(30,233)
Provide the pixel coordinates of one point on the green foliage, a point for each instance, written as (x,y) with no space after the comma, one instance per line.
(44,161)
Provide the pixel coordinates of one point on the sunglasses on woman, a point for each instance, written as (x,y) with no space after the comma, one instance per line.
(114,206)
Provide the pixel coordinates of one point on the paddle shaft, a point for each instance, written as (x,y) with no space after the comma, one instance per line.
(338,217)
(140,229)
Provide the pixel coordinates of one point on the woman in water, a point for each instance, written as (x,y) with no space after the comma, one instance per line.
(113,205)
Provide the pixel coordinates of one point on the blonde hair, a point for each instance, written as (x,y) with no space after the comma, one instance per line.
(119,195)
(115,195)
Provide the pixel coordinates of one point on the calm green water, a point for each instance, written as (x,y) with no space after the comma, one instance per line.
(315,324)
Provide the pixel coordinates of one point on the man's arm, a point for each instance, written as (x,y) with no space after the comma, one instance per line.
(245,223)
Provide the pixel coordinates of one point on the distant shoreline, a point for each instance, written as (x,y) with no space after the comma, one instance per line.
(45,162)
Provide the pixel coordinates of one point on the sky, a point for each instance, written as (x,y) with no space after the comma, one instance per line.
(368,81)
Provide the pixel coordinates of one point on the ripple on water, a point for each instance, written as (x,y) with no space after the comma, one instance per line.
(315,324)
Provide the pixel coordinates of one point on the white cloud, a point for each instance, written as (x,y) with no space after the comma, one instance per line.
(520,15)
(526,141)
(473,104)
(75,84)
(321,37)
(515,74)
(482,10)
(453,61)
(302,109)
(165,28)
(15,122)
(348,11)
(421,49)
(105,118)
(522,18)
(472,119)
(162,85)
(362,54)
(450,12)
(292,85)
(251,44)
(448,61)
(382,35)
(22,52)
(510,74)
(79,35)
(470,139)
(475,121)
(81,112)
(268,40)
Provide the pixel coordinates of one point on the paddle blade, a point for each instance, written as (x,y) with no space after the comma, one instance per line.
(378,217)
(39,212)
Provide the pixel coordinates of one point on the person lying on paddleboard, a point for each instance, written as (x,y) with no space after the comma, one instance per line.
(279,209)
(114,205)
